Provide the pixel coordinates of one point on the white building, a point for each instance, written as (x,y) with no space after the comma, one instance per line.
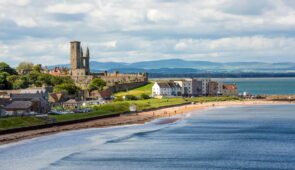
(186,87)
(166,89)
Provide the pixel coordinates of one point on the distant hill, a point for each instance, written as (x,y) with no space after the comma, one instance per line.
(174,66)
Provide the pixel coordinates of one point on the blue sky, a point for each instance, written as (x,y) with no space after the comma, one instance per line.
(140,30)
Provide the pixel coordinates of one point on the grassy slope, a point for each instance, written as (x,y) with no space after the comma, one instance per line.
(99,110)
(147,89)
(14,122)
(107,109)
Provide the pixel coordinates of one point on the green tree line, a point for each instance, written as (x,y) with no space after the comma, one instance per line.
(10,79)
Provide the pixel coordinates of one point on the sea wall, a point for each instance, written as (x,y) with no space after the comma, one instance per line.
(277,97)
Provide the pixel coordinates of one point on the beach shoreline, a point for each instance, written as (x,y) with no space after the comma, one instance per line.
(129,119)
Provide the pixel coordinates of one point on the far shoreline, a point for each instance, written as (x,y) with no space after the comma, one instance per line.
(130,119)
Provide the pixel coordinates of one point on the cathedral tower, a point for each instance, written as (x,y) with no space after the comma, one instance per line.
(75,55)
(87,56)
(79,63)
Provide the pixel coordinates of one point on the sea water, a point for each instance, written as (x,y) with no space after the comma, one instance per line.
(243,137)
(267,86)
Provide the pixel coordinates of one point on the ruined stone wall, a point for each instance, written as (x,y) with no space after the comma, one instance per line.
(82,81)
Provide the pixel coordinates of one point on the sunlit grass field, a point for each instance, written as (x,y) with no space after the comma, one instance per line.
(147,89)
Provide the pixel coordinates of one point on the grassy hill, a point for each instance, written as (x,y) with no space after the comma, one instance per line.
(147,89)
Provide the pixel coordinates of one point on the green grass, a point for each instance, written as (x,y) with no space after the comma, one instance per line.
(156,103)
(147,89)
(99,110)
(14,122)
(108,109)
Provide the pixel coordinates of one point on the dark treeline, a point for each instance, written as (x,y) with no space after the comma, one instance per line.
(221,75)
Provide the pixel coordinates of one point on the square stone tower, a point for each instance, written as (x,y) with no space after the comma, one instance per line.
(79,63)
(76,58)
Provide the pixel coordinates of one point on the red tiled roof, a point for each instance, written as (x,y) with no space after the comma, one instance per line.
(230,86)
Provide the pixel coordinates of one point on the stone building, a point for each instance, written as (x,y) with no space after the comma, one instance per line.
(230,90)
(80,72)
(79,63)
(194,86)
(215,88)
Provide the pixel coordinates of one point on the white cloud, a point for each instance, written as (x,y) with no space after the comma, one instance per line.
(15,2)
(68,8)
(110,44)
(26,22)
(255,43)
(136,30)
(156,15)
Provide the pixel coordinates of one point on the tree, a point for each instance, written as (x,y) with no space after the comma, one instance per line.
(37,68)
(96,84)
(130,97)
(4,84)
(144,96)
(18,81)
(32,78)
(66,87)
(25,66)
(6,68)
(44,79)
(55,80)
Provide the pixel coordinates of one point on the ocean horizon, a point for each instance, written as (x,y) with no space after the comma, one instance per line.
(238,137)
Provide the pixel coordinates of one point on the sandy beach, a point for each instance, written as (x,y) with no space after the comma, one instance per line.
(132,118)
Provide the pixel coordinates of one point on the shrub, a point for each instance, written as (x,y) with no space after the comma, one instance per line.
(130,97)
(118,98)
(144,96)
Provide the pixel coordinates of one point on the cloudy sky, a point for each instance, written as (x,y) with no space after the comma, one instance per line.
(140,30)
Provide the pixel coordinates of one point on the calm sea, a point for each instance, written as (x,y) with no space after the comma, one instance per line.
(247,137)
(264,85)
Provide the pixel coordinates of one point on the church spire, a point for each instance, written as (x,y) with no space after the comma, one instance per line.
(87,52)
(81,51)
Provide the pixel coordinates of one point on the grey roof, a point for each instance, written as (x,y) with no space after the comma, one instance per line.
(36,99)
(4,101)
(19,105)
(169,85)
(164,85)
(26,95)
(174,85)
(72,101)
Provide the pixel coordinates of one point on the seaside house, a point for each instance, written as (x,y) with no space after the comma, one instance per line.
(4,102)
(18,108)
(40,105)
(230,90)
(56,99)
(105,95)
(194,87)
(215,88)
(166,89)
(72,104)
(186,87)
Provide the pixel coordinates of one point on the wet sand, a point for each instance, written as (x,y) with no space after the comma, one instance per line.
(131,118)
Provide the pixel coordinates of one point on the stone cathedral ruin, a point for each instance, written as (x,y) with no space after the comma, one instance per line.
(81,74)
